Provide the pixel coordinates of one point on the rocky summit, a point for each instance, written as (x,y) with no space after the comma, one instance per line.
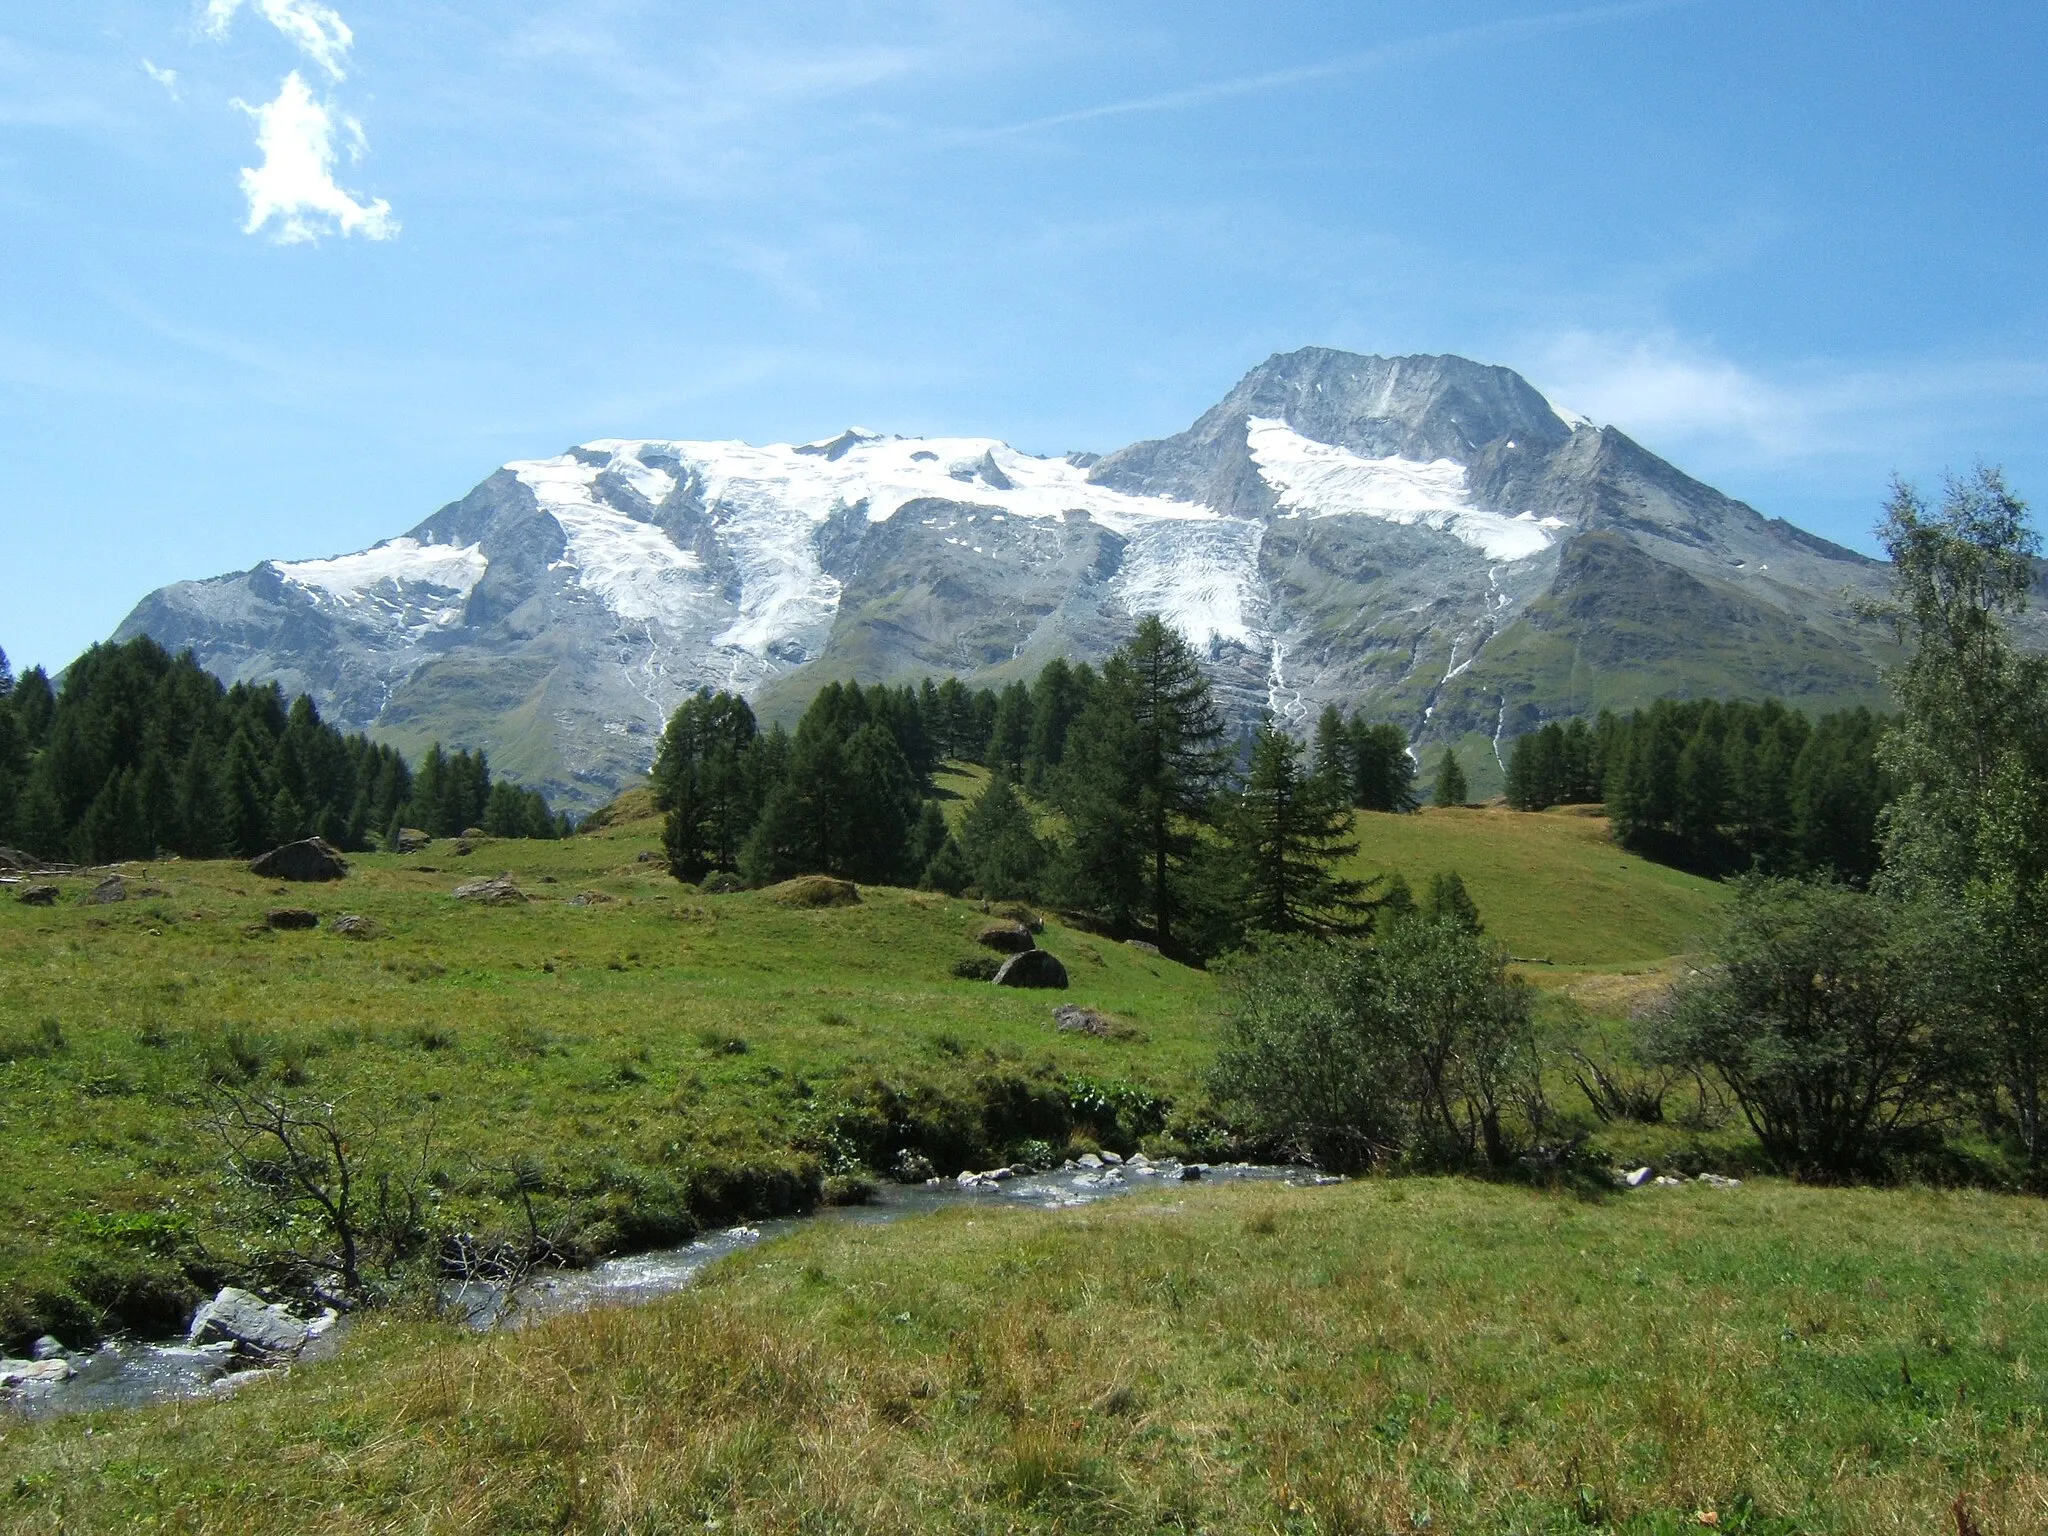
(1426,538)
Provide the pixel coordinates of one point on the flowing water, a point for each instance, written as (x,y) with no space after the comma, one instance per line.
(128,1375)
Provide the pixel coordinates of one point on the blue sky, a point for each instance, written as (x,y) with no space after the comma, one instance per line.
(1792,248)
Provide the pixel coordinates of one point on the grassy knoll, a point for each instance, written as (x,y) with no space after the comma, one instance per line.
(1379,1357)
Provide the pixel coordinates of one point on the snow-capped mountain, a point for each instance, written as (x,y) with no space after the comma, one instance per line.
(1425,537)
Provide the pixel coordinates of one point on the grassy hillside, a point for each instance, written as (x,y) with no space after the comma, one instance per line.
(654,1055)
(1550,885)
(1389,1356)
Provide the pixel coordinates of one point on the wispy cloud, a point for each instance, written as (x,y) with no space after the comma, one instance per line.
(294,186)
(1665,389)
(167,78)
(314,29)
(1408,50)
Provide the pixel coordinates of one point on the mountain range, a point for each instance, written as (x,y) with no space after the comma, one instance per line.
(1426,538)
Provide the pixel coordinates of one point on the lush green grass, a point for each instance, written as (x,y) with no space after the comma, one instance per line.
(656,1032)
(1389,1356)
(657,1054)
(1551,886)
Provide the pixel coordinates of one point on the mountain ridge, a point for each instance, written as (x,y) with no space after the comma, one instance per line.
(1426,537)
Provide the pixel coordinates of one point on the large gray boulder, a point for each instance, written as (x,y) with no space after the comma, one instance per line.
(38,896)
(248,1322)
(313,859)
(1033,968)
(498,892)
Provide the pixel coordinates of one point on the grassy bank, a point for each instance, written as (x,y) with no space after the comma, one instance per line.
(1379,1357)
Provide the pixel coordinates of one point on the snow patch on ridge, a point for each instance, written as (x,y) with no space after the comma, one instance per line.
(1322,480)
(402,582)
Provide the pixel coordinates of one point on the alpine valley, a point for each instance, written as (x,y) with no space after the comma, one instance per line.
(1425,538)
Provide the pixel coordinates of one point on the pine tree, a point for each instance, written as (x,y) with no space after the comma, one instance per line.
(1000,844)
(6,676)
(1449,902)
(1286,831)
(1450,780)
(1334,759)
(705,781)
(1153,764)
(1009,739)
(1383,772)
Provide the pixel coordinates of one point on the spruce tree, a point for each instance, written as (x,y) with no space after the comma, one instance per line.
(1449,902)
(6,676)
(1000,844)
(1286,831)
(1334,760)
(1450,780)
(1153,762)
(1383,772)
(1009,740)
(705,781)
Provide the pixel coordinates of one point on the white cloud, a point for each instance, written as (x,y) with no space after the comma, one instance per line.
(1666,390)
(295,183)
(167,78)
(315,30)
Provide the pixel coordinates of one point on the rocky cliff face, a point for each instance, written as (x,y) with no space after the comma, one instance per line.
(1425,537)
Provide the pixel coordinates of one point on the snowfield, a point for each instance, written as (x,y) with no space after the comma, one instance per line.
(770,603)
(1318,480)
(400,583)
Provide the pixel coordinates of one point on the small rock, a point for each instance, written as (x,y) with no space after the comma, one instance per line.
(1192,1173)
(353,925)
(1033,968)
(291,917)
(591,899)
(1141,946)
(15,859)
(646,856)
(1139,1160)
(1114,1159)
(473,834)
(1719,1181)
(1070,1019)
(31,1373)
(1636,1178)
(1666,1181)
(413,840)
(252,1325)
(1000,1175)
(111,889)
(463,848)
(498,892)
(912,1168)
(1005,936)
(47,1348)
(1089,1160)
(322,1324)
(38,896)
(314,858)
(967,1180)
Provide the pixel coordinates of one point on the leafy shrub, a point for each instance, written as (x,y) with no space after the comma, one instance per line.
(1823,1015)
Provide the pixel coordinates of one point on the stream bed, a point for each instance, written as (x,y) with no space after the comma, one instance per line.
(128,1374)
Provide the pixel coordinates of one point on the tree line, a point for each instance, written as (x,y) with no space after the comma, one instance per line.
(1719,788)
(1117,793)
(140,753)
